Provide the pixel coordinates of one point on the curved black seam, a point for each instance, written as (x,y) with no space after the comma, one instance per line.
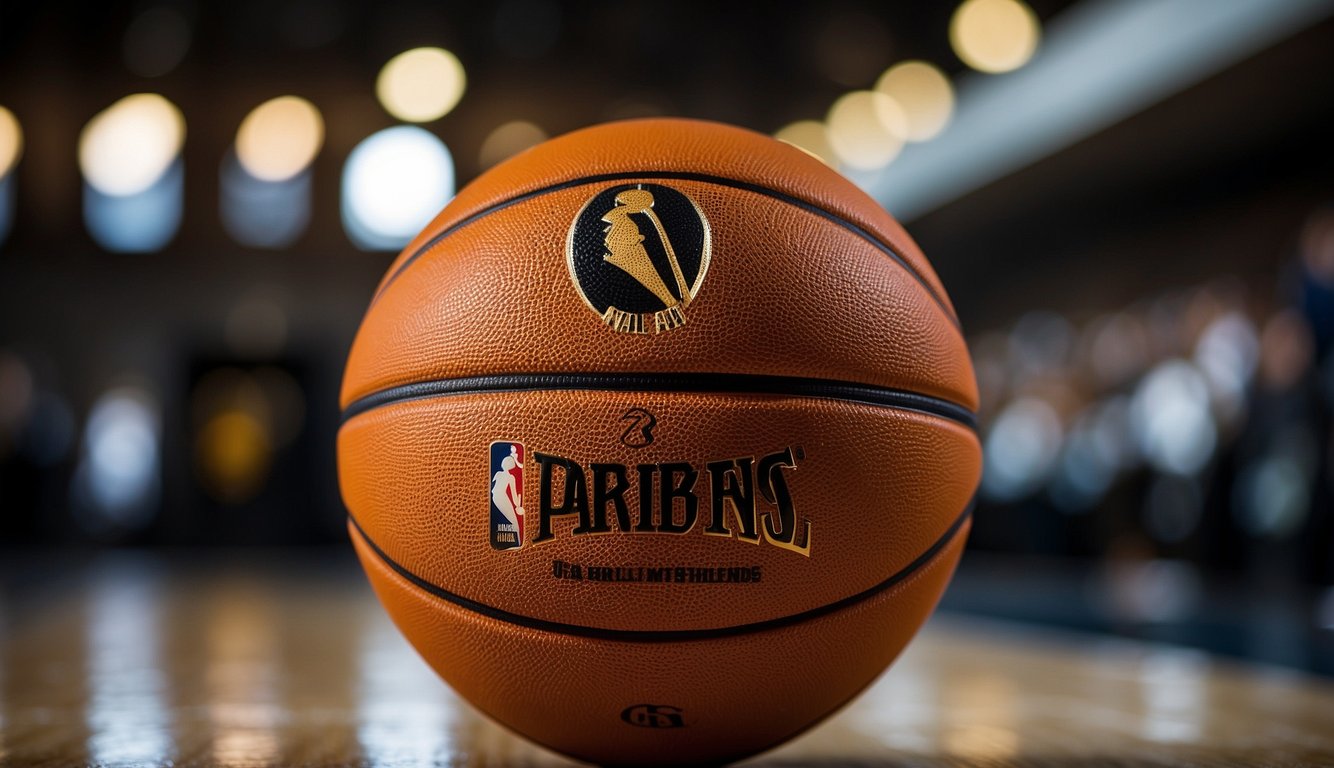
(668,382)
(683,176)
(668,635)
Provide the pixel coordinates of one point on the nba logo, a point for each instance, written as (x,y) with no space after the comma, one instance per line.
(506,495)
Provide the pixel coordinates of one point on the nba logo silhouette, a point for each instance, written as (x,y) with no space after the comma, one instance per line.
(506,495)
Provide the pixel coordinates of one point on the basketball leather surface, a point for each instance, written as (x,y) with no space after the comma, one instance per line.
(819,344)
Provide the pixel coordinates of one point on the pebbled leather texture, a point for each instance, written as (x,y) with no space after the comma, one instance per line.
(420,485)
(787,292)
(799,285)
(737,695)
(680,146)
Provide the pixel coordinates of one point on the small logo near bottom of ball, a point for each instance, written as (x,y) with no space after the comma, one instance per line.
(638,254)
(654,716)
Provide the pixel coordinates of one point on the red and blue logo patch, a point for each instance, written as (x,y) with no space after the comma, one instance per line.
(507,460)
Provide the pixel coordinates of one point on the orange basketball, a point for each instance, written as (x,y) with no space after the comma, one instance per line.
(658,442)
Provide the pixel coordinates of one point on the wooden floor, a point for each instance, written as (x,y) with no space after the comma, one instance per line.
(260,660)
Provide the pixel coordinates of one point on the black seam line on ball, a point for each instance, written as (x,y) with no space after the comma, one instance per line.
(669,635)
(708,383)
(681,176)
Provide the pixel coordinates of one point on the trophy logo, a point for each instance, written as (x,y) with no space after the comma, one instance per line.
(638,254)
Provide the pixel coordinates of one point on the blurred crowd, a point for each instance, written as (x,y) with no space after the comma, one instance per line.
(1187,435)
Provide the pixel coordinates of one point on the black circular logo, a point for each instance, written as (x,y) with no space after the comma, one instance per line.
(638,254)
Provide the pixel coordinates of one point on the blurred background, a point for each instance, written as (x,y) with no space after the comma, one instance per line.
(1131,203)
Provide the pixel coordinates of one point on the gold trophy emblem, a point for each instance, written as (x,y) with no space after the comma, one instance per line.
(625,246)
(634,244)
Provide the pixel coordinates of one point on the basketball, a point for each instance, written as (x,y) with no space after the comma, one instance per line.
(658,442)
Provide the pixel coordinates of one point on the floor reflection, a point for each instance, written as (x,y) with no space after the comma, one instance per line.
(1173,684)
(254,660)
(406,715)
(981,713)
(241,674)
(128,719)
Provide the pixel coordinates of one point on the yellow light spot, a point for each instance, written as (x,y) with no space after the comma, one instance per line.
(811,137)
(279,138)
(421,85)
(234,451)
(509,140)
(11,142)
(127,147)
(994,35)
(924,93)
(866,129)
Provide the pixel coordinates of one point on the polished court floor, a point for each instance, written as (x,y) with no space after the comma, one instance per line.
(265,659)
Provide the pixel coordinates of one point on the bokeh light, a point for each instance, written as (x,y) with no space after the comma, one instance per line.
(128,147)
(1091,457)
(263,214)
(280,138)
(421,85)
(866,129)
(234,454)
(11,149)
(1171,418)
(1227,353)
(394,182)
(118,479)
(1021,449)
(265,198)
(242,418)
(1272,495)
(994,36)
(810,136)
(139,223)
(11,142)
(925,95)
(508,140)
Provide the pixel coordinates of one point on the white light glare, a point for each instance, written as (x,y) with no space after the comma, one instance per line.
(120,471)
(1170,416)
(127,147)
(1021,449)
(394,183)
